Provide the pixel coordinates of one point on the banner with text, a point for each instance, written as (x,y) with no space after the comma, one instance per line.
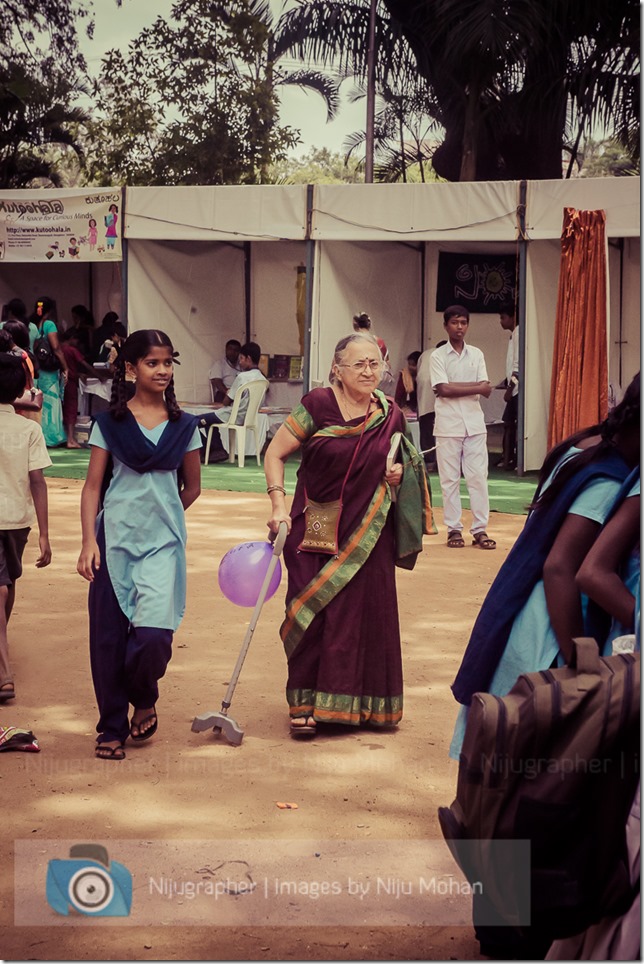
(61,228)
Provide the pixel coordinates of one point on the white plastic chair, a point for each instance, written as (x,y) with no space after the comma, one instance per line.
(255,392)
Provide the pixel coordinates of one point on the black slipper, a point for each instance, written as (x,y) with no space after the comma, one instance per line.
(104,752)
(7,693)
(139,737)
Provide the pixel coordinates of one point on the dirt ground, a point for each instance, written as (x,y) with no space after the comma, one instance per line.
(354,790)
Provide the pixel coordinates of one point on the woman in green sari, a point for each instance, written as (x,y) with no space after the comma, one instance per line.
(51,380)
(341,632)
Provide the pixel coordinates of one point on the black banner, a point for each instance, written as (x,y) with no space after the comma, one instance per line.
(478,282)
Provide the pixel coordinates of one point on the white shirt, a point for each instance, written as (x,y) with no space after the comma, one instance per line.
(424,391)
(224,370)
(22,449)
(512,359)
(243,378)
(458,417)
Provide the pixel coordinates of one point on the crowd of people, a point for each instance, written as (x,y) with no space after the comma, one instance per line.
(56,356)
(361,508)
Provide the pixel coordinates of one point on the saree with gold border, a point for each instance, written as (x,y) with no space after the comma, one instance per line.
(341,632)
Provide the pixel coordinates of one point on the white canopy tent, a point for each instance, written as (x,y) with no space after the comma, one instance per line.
(207,264)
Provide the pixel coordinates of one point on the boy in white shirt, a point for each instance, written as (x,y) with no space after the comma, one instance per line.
(224,372)
(459,376)
(23,498)
(249,356)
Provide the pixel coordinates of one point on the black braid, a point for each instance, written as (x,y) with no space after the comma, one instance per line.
(624,416)
(174,412)
(120,391)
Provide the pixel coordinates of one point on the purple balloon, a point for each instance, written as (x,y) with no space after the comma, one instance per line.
(242,572)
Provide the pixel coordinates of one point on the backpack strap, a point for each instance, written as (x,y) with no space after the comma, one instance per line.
(585,660)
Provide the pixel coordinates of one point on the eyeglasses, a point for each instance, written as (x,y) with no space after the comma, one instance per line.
(360,366)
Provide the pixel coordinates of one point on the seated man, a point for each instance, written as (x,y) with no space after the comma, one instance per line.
(249,356)
(224,372)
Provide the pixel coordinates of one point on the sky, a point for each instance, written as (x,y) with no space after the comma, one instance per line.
(116,26)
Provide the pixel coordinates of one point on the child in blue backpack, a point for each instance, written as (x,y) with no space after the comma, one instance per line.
(144,468)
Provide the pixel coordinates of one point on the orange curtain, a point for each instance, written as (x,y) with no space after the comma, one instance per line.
(579,385)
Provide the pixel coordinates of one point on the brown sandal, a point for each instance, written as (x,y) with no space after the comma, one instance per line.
(455,539)
(483,541)
(303,730)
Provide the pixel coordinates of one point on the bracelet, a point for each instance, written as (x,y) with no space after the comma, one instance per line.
(276,488)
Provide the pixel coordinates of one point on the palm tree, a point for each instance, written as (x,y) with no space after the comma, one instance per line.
(513,82)
(405,136)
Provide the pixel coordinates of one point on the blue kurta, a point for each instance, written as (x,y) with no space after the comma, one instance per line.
(145,536)
(532,644)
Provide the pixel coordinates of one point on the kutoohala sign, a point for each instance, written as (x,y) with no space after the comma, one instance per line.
(74,227)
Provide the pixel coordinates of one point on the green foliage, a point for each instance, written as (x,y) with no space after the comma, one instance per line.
(41,73)
(606,159)
(317,166)
(194,101)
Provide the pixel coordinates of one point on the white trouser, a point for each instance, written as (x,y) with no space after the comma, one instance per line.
(469,454)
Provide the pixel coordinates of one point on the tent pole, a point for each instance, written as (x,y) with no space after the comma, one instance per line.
(523,255)
(308,307)
(423,292)
(124,249)
(371,94)
(90,286)
(247,287)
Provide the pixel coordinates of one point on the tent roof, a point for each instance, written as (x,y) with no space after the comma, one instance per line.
(619,197)
(225,213)
(470,211)
(467,211)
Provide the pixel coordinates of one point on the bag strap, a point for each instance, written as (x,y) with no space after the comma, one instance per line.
(586,660)
(355,451)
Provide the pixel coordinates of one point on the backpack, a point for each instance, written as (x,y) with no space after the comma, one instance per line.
(547,776)
(45,354)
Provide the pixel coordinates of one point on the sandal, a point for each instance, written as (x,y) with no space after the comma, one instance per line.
(455,539)
(303,730)
(104,752)
(139,736)
(7,692)
(483,541)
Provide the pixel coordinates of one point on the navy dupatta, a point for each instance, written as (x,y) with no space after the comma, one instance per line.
(130,445)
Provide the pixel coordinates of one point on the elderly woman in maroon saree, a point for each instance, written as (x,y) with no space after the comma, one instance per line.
(341,632)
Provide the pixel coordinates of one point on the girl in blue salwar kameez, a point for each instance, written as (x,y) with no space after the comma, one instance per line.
(144,472)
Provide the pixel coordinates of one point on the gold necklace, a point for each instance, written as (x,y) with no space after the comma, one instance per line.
(347,412)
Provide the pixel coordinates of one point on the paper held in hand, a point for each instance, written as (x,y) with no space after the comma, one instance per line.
(391,458)
(393,450)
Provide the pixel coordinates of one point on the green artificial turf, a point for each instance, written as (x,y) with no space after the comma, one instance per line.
(508,493)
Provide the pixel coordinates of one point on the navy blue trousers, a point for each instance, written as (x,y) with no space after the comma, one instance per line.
(126,661)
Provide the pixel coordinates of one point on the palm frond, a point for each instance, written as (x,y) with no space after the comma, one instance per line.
(319,82)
